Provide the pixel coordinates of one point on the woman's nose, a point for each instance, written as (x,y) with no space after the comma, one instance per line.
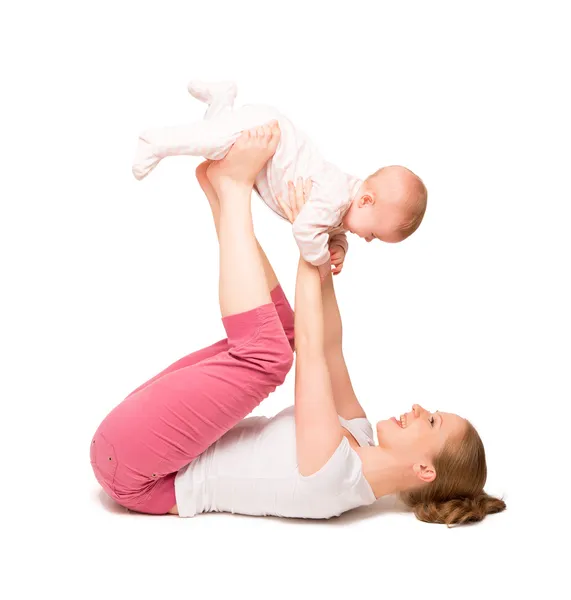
(417,410)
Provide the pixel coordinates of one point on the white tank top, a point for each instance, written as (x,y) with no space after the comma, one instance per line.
(252,470)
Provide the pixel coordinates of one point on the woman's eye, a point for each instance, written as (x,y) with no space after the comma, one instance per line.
(431,421)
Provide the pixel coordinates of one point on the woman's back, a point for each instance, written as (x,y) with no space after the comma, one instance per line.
(252,470)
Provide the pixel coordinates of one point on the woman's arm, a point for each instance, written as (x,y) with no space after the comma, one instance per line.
(346,402)
(318,431)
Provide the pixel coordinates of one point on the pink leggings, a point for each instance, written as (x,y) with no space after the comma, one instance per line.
(171,419)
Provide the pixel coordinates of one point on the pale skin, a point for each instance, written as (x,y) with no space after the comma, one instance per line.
(323,387)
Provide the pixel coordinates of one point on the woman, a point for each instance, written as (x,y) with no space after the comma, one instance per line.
(179,444)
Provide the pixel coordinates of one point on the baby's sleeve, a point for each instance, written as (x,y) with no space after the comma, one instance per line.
(340,239)
(312,226)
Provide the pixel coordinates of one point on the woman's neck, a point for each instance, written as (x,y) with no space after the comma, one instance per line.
(385,473)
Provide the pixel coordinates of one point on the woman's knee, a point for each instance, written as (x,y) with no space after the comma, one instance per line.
(112,445)
(283,360)
(103,461)
(121,465)
(290,334)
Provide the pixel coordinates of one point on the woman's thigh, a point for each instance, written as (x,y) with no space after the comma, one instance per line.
(165,425)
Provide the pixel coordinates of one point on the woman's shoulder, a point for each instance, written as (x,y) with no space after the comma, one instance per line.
(360,428)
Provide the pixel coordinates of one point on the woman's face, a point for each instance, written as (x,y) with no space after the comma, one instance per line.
(419,433)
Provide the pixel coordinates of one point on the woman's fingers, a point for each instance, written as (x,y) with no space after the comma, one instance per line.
(299,201)
(292,200)
(307,188)
(297,197)
(287,210)
(274,136)
(302,191)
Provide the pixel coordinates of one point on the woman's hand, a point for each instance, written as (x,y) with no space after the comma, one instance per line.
(246,158)
(297,197)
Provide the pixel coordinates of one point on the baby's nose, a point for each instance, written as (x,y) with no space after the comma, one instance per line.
(368,239)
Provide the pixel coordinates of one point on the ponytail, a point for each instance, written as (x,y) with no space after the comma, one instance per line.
(459,511)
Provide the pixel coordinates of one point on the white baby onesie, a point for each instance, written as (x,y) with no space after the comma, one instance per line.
(296,156)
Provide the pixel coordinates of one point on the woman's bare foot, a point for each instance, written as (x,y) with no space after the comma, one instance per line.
(246,158)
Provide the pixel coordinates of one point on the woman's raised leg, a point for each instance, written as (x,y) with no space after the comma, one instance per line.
(143,442)
(277,295)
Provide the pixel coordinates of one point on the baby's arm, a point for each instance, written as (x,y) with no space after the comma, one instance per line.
(312,240)
(311,231)
(339,239)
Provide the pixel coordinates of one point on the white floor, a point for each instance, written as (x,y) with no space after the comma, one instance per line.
(378,551)
(106,280)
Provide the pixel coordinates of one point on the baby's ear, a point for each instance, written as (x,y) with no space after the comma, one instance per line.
(366,199)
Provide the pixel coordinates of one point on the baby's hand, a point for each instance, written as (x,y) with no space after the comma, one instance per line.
(337,258)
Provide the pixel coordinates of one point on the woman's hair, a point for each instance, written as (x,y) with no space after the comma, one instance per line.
(456,495)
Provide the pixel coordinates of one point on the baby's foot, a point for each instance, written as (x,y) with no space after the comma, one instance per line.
(217,95)
(146,158)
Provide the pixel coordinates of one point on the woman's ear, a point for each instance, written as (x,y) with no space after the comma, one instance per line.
(425,472)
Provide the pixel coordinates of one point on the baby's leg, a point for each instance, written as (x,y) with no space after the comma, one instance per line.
(211,139)
(203,138)
(219,96)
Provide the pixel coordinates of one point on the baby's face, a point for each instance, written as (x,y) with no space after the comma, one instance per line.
(379,221)
(384,206)
(376,214)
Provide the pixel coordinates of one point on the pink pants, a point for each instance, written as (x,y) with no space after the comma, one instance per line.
(171,419)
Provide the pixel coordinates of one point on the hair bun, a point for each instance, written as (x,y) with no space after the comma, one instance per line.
(459,510)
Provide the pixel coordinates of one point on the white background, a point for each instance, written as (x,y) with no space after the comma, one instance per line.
(106,280)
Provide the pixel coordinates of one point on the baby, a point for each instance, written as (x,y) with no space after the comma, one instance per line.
(388,205)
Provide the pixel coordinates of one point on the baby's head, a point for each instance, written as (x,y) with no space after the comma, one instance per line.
(389,206)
